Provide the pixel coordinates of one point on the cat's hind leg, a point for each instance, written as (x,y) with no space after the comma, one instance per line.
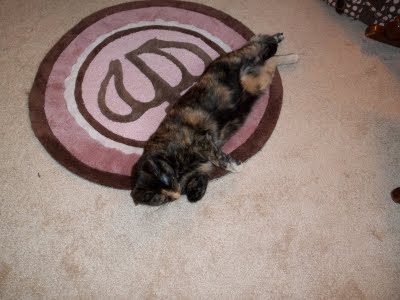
(268,39)
(266,45)
(256,79)
(284,59)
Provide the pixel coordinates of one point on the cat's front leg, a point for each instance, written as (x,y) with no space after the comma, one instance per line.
(227,162)
(221,159)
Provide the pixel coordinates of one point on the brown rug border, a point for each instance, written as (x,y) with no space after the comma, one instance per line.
(43,131)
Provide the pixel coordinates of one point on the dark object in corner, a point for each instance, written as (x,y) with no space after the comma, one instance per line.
(389,34)
(380,16)
(396,195)
(340,5)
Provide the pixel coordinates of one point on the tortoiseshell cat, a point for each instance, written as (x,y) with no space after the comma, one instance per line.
(180,155)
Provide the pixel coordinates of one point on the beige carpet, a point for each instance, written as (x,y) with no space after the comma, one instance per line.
(310,216)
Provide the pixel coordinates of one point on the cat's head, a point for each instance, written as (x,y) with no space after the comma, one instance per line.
(154,181)
(161,177)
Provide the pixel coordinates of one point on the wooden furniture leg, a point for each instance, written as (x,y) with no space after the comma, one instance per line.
(389,34)
(396,195)
(340,5)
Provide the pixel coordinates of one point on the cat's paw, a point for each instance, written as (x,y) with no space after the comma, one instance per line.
(235,166)
(196,187)
(278,37)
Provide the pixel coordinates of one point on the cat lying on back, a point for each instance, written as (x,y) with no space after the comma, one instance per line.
(180,155)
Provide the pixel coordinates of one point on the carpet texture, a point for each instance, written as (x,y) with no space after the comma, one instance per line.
(309,217)
(107,84)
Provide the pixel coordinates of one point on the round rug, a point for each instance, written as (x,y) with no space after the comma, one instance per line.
(104,88)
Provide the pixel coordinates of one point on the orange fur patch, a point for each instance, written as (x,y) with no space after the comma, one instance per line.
(171,194)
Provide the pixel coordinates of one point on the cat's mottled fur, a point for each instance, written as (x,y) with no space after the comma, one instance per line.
(180,155)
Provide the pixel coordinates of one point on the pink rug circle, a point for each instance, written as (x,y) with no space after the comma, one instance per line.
(104,88)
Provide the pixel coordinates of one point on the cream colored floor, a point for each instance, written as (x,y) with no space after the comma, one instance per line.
(310,217)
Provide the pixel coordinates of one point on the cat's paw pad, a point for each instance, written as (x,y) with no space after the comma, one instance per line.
(278,37)
(235,166)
